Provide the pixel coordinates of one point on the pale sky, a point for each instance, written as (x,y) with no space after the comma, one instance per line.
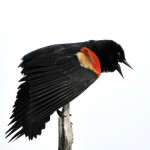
(114,113)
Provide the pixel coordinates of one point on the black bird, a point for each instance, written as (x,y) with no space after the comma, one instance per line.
(54,76)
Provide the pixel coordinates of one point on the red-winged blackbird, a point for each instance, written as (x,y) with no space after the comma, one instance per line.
(54,76)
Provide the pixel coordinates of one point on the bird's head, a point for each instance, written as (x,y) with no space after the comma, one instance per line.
(110,54)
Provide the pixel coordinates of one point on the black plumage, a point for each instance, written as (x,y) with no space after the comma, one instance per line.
(53,76)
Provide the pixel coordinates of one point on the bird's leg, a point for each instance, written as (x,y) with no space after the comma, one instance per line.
(60,113)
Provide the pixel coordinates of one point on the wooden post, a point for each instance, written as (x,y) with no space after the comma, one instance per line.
(65,129)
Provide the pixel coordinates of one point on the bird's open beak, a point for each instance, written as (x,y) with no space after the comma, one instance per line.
(118,68)
(126,63)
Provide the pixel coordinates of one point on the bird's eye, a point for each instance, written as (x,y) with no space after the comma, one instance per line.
(119,56)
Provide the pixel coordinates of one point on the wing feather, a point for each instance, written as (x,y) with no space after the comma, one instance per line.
(51,80)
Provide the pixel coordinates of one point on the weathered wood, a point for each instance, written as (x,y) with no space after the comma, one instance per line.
(65,129)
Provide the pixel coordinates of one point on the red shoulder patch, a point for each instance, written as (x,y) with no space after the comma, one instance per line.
(89,60)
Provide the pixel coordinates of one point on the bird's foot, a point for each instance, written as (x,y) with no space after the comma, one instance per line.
(60,113)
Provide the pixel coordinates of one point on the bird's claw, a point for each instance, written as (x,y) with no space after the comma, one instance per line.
(60,114)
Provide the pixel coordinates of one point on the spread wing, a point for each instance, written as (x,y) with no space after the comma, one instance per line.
(51,80)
